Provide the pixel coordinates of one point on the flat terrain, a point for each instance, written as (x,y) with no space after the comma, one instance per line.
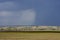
(29,36)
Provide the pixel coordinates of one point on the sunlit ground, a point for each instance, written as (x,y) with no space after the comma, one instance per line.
(29,36)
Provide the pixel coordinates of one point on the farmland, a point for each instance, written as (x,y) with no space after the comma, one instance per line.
(29,36)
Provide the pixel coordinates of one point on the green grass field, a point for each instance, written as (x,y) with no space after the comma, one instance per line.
(29,36)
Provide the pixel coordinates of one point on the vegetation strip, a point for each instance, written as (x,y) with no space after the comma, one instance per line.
(33,31)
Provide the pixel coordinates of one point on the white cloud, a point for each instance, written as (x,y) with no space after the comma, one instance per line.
(5,13)
(23,17)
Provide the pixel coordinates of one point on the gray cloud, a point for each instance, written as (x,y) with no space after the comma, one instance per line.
(8,6)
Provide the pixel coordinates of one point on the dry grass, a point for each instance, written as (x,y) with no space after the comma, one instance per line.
(29,36)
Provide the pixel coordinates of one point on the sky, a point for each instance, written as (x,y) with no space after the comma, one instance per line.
(30,12)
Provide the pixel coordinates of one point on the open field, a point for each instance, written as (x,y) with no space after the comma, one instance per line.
(29,36)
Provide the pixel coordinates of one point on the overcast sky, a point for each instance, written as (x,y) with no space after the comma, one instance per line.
(30,12)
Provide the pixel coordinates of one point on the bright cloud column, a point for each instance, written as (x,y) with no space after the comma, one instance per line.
(28,17)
